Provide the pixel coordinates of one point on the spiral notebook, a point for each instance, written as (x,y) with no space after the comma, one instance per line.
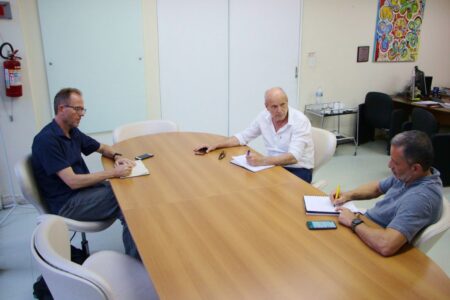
(321,205)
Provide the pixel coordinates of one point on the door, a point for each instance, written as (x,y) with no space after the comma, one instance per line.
(193,51)
(218,57)
(96,46)
(264,51)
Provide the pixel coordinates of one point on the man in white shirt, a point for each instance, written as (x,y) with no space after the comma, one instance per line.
(286,133)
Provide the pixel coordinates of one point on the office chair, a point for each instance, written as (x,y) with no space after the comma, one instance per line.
(104,275)
(431,234)
(30,191)
(441,146)
(324,148)
(132,130)
(378,111)
(422,120)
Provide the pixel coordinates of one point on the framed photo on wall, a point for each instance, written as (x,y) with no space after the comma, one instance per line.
(363,54)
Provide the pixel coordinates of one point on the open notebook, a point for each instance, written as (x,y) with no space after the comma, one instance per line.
(138,170)
(321,205)
(242,162)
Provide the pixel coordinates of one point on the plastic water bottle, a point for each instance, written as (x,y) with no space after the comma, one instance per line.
(319,95)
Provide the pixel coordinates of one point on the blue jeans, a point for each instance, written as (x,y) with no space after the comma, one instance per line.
(302,173)
(97,203)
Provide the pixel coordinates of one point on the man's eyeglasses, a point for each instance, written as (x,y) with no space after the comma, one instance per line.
(78,109)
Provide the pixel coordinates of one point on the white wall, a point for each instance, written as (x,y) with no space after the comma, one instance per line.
(15,136)
(332,29)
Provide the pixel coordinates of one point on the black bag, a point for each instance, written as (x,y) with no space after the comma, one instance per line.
(40,288)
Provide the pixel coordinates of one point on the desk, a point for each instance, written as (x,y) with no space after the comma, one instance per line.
(207,229)
(441,114)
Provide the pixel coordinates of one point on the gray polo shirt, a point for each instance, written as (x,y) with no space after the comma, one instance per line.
(408,209)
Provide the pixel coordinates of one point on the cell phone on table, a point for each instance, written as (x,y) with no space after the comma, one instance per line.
(143,156)
(320,225)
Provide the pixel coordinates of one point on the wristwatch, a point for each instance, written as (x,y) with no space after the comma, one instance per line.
(116,154)
(355,222)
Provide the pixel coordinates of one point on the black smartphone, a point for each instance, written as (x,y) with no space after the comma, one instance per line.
(320,225)
(143,156)
(202,150)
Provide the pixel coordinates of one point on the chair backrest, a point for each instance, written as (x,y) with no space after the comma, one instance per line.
(28,186)
(441,146)
(50,247)
(378,109)
(431,234)
(424,120)
(324,146)
(132,130)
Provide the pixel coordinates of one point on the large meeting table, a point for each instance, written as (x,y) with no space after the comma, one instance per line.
(208,229)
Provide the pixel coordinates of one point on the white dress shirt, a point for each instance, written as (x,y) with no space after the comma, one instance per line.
(294,137)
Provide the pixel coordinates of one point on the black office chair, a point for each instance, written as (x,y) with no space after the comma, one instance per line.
(422,120)
(441,145)
(378,111)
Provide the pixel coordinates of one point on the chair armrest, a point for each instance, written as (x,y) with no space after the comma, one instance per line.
(81,226)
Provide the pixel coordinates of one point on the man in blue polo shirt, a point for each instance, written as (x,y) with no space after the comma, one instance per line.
(412,196)
(62,175)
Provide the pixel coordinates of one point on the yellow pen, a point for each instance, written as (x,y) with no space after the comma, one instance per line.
(338,190)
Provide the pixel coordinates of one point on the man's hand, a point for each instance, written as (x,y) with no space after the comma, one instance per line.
(203,149)
(254,159)
(345,216)
(343,197)
(124,161)
(122,170)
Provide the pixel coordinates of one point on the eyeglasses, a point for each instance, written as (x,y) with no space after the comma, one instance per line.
(221,155)
(78,109)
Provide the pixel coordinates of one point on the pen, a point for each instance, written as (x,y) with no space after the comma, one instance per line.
(248,153)
(338,190)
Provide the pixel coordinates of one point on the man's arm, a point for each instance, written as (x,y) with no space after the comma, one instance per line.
(231,141)
(77,181)
(108,151)
(385,241)
(255,159)
(367,191)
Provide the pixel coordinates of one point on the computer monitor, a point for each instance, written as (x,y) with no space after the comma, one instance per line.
(420,82)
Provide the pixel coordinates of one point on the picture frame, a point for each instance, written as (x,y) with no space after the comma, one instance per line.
(363,54)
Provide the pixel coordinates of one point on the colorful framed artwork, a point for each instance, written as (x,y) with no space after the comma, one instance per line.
(397,34)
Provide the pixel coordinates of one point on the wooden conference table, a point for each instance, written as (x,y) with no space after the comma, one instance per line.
(207,229)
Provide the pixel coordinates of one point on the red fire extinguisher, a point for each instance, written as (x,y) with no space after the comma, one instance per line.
(11,65)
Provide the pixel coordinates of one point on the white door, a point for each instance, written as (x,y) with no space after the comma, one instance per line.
(264,51)
(97,46)
(218,57)
(193,51)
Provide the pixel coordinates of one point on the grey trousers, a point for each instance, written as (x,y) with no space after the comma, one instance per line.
(97,203)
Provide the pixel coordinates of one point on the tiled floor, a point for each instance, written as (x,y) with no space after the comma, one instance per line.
(18,272)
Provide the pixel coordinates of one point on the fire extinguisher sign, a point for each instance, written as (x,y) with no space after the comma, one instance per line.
(12,77)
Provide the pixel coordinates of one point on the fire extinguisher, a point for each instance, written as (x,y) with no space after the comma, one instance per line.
(11,65)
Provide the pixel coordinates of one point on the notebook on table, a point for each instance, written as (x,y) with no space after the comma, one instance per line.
(321,205)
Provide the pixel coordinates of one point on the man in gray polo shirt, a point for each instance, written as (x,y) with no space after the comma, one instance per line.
(412,201)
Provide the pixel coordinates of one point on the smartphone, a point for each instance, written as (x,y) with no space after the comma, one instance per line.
(143,156)
(202,150)
(320,225)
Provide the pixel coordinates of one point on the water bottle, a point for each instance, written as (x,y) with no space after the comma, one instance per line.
(319,95)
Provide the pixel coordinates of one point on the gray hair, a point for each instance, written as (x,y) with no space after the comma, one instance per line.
(63,96)
(417,147)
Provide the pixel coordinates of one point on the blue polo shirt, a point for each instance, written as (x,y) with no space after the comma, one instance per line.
(409,209)
(52,152)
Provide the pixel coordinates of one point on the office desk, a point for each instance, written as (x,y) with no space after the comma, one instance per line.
(207,229)
(441,114)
